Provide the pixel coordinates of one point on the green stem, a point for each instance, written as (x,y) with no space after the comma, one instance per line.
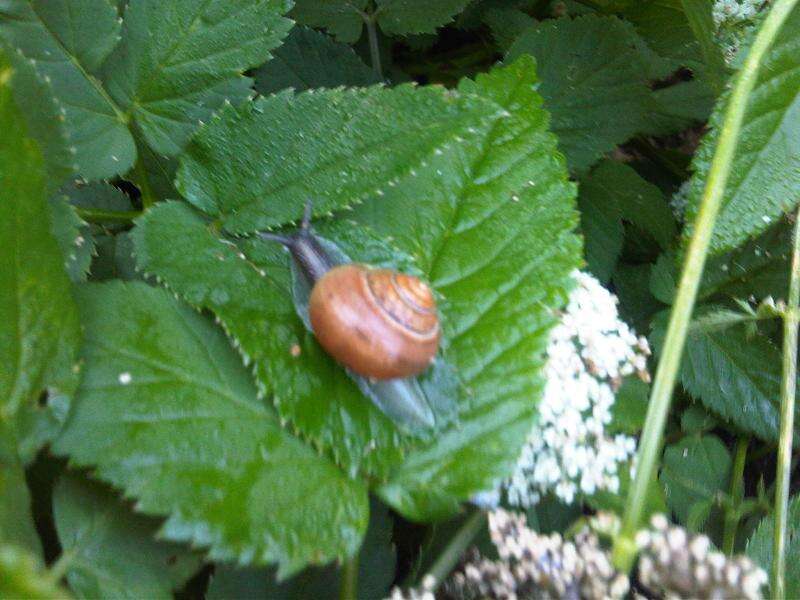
(139,176)
(624,552)
(732,515)
(59,569)
(374,50)
(788,389)
(348,588)
(455,549)
(99,215)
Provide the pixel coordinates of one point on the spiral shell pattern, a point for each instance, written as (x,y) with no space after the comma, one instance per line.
(377,322)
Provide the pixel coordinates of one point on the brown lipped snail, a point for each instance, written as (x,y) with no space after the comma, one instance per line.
(381,325)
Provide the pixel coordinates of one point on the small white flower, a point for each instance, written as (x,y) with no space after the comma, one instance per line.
(568,452)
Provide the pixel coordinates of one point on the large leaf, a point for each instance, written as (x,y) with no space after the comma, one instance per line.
(167,412)
(340,17)
(641,203)
(256,166)
(760,547)
(38,320)
(594,74)
(252,297)
(666,29)
(765,176)
(601,225)
(734,374)
(169,66)
(310,59)
(69,40)
(757,269)
(174,56)
(16,520)
(491,226)
(376,570)
(344,19)
(694,471)
(97,531)
(402,17)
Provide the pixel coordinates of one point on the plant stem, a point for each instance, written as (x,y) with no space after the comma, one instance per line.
(139,176)
(62,564)
(788,390)
(374,50)
(348,588)
(99,215)
(624,552)
(455,549)
(732,515)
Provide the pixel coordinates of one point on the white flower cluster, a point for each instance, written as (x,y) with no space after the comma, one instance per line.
(735,21)
(680,200)
(735,10)
(568,451)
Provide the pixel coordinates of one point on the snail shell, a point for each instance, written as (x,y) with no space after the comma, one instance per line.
(377,322)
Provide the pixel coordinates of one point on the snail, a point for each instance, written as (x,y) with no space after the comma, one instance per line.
(381,325)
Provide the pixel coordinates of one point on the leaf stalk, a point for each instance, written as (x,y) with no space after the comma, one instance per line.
(99,215)
(348,588)
(788,392)
(624,551)
(732,512)
(372,35)
(456,547)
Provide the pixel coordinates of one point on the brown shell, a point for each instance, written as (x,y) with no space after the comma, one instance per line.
(377,322)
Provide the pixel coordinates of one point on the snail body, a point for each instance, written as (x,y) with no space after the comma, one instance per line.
(381,325)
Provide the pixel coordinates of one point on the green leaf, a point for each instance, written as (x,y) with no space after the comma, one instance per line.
(765,175)
(44,118)
(637,304)
(664,277)
(112,550)
(734,374)
(38,320)
(256,166)
(593,73)
(699,13)
(252,296)
(758,268)
(97,195)
(69,40)
(491,227)
(640,202)
(167,412)
(601,225)
(679,107)
(16,520)
(402,17)
(74,238)
(173,57)
(309,59)
(630,407)
(694,471)
(343,18)
(506,24)
(340,17)
(22,576)
(696,420)
(376,571)
(760,549)
(664,26)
